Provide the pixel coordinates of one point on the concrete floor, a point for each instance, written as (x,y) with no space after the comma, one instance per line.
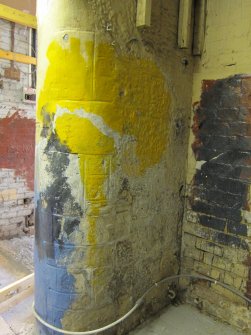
(17,319)
(184,320)
(16,261)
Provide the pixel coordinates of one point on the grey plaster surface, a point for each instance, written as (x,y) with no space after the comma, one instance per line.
(184,320)
(16,259)
(18,319)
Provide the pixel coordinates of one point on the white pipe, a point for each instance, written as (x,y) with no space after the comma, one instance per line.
(138,303)
(89,332)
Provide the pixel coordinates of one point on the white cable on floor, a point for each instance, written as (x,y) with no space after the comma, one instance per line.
(89,332)
(138,303)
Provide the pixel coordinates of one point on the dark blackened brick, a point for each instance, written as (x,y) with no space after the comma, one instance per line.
(235,158)
(218,211)
(205,154)
(237,228)
(242,143)
(217,143)
(212,222)
(226,143)
(228,99)
(233,173)
(213,168)
(230,240)
(222,139)
(230,114)
(218,197)
(222,115)
(232,186)
(226,129)
(222,184)
(221,94)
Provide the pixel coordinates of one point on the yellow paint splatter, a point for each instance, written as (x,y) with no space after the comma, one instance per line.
(130,96)
(81,136)
(66,77)
(128,93)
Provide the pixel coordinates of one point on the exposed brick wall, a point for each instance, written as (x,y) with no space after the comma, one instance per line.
(17,146)
(216,240)
(220,187)
(16,205)
(17,131)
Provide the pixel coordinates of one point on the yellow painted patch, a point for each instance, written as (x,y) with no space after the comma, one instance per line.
(81,136)
(128,93)
(66,77)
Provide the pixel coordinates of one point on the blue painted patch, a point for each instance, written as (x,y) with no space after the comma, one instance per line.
(54,288)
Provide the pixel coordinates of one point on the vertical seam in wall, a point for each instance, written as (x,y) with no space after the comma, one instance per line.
(94,68)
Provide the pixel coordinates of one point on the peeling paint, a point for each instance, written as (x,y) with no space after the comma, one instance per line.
(17,146)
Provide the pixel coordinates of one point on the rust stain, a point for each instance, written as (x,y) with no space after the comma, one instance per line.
(207,85)
(197,123)
(17,146)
